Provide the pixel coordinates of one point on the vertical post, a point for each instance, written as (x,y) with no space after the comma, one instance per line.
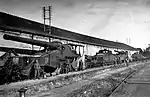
(49,19)
(22,92)
(83,50)
(32,44)
(44,18)
(49,26)
(79,51)
(45,10)
(87,49)
(47,16)
(49,22)
(76,48)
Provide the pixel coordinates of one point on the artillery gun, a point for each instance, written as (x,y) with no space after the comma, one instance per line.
(52,45)
(19,51)
(122,56)
(105,57)
(58,57)
(14,67)
(138,56)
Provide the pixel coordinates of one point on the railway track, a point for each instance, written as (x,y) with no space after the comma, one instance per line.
(125,81)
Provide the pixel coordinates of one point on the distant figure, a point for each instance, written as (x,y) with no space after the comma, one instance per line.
(36,69)
(127,62)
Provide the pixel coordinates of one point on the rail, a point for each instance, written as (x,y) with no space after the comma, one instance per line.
(125,81)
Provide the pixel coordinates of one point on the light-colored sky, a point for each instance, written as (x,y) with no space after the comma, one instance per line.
(106,19)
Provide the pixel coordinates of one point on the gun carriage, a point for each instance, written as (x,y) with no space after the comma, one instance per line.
(55,55)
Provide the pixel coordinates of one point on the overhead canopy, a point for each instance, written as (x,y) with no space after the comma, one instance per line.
(13,23)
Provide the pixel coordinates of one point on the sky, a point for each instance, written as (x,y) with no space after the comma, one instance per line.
(126,21)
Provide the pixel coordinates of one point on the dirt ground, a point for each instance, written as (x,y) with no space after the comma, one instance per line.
(100,85)
(137,86)
(101,80)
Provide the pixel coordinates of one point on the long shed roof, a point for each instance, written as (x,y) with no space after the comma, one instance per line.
(15,23)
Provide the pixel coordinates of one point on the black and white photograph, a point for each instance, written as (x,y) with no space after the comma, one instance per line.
(74,48)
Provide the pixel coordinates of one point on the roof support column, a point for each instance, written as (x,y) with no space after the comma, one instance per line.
(32,36)
(87,49)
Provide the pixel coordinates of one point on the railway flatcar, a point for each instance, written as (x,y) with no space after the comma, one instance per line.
(137,56)
(16,68)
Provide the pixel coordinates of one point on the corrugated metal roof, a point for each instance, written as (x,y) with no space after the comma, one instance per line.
(14,23)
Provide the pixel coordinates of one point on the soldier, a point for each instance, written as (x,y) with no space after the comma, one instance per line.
(127,62)
(36,69)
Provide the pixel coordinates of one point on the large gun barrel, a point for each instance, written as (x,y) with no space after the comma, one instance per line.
(20,51)
(30,41)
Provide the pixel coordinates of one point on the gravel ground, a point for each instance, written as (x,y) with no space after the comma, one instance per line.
(140,86)
(103,87)
(98,88)
(94,84)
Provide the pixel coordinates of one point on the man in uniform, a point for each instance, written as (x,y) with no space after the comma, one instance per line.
(36,69)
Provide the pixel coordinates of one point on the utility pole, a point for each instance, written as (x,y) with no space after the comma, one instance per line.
(47,19)
(128,40)
(47,24)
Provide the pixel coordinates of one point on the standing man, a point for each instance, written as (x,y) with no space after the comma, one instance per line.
(37,69)
(127,62)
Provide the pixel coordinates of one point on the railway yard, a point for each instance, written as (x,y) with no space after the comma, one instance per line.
(65,69)
(89,83)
